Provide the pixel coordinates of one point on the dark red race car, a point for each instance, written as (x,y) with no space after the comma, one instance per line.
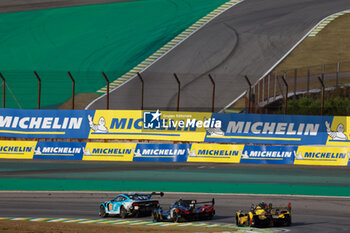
(185,210)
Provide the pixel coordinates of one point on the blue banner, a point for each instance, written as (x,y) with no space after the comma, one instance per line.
(175,126)
(44,123)
(270,129)
(59,150)
(161,152)
(268,154)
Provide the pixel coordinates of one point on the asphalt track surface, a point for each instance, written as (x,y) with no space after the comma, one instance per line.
(309,214)
(248,39)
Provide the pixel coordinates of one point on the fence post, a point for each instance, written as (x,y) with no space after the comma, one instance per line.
(73,89)
(308,81)
(3,90)
(268,88)
(258,100)
(286,94)
(107,80)
(263,89)
(275,87)
(142,88)
(295,83)
(323,71)
(322,94)
(39,88)
(249,91)
(178,92)
(337,75)
(213,93)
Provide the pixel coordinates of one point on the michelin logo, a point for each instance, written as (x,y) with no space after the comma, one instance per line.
(42,123)
(266,154)
(191,153)
(214,131)
(298,156)
(56,150)
(159,152)
(278,128)
(336,135)
(100,127)
(321,155)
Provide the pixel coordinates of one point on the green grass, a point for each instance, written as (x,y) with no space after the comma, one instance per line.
(206,187)
(86,40)
(330,46)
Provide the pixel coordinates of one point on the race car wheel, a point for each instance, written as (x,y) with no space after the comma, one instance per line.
(210,216)
(103,211)
(288,220)
(176,217)
(251,221)
(123,212)
(155,216)
(237,223)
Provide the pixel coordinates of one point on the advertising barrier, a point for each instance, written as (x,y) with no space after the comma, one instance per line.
(176,126)
(196,152)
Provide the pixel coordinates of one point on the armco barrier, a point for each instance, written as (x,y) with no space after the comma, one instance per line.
(216,153)
(176,126)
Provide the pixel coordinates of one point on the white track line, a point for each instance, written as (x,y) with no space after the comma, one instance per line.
(202,24)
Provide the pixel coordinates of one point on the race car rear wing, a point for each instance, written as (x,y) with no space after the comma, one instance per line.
(194,202)
(155,193)
(279,208)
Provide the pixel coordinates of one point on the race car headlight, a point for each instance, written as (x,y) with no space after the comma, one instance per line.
(136,207)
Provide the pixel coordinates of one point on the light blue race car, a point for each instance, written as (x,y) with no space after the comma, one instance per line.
(130,204)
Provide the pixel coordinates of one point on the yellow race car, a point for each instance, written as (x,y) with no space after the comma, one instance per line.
(263,215)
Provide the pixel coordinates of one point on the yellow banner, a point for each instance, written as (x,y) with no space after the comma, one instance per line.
(17,149)
(109,151)
(328,156)
(339,131)
(217,153)
(163,125)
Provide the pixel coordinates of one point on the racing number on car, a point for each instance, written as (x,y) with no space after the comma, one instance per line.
(110,206)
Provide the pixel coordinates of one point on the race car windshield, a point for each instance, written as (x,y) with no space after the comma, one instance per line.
(140,197)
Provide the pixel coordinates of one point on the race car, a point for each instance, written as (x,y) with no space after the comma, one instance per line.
(129,204)
(185,210)
(263,215)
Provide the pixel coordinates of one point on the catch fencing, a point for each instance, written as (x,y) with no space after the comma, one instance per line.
(305,81)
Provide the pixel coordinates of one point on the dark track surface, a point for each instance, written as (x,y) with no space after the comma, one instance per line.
(248,39)
(310,214)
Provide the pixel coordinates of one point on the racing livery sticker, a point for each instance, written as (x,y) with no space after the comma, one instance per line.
(17,149)
(268,154)
(59,150)
(329,156)
(161,152)
(109,151)
(217,153)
